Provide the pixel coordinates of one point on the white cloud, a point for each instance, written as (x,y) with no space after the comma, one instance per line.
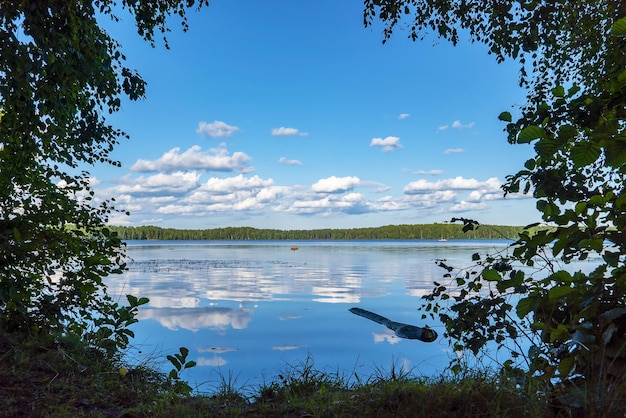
(453,151)
(457,183)
(428,172)
(217,129)
(234,194)
(429,199)
(230,184)
(195,319)
(458,125)
(335,184)
(216,159)
(178,182)
(464,206)
(283,160)
(442,128)
(490,190)
(282,131)
(403,116)
(351,203)
(215,361)
(388,144)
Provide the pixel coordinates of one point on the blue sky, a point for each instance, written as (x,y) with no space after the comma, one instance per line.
(293,115)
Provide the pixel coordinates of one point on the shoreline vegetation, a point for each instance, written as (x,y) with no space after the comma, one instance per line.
(62,377)
(435,231)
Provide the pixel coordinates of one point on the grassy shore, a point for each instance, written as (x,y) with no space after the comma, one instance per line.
(43,377)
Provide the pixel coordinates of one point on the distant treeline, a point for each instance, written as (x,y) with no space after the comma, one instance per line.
(426,231)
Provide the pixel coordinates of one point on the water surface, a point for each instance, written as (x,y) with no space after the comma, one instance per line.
(246,310)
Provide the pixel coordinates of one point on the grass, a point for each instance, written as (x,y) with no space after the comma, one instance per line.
(44,377)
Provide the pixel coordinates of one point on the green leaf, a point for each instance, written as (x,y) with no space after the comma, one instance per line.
(559,91)
(597,200)
(573,90)
(619,27)
(567,132)
(561,276)
(491,275)
(132,300)
(184,351)
(611,258)
(559,292)
(585,153)
(174,362)
(525,306)
(546,147)
(505,116)
(530,133)
(566,365)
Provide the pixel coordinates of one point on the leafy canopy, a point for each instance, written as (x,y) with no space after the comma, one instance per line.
(556,42)
(573,60)
(61,74)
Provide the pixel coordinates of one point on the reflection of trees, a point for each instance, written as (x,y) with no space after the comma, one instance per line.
(194,319)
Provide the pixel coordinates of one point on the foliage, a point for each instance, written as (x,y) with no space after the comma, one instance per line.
(426,231)
(575,119)
(45,377)
(546,38)
(180,363)
(61,74)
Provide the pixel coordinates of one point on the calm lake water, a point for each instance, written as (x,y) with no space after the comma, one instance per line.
(247,310)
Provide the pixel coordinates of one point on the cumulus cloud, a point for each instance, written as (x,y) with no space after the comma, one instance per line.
(453,151)
(335,184)
(464,206)
(377,186)
(490,190)
(457,183)
(403,116)
(195,319)
(458,125)
(178,182)
(430,199)
(233,194)
(217,129)
(283,160)
(282,131)
(216,159)
(180,193)
(230,184)
(388,144)
(350,203)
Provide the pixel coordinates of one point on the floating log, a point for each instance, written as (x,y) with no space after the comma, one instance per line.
(411,332)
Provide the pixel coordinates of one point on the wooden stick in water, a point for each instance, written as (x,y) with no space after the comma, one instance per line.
(401,330)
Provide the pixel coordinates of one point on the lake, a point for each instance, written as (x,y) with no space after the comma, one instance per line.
(247,310)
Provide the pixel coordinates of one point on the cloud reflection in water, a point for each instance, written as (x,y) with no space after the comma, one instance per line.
(194,319)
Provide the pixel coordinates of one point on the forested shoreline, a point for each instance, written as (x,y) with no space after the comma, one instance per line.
(413,231)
